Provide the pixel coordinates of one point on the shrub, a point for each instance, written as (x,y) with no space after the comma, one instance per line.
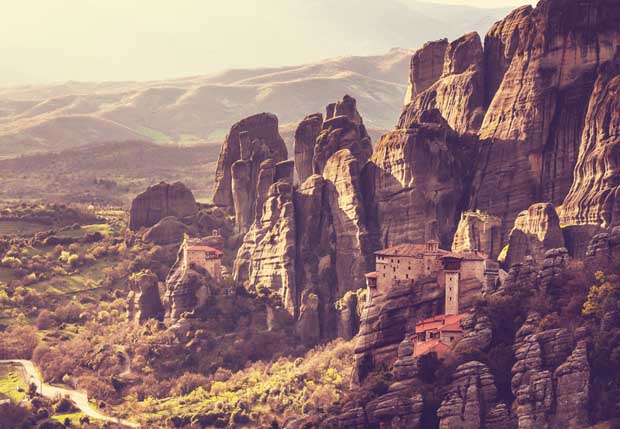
(45,320)
(68,313)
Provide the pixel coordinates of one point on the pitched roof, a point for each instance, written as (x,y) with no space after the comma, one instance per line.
(372,275)
(430,346)
(445,322)
(410,250)
(202,248)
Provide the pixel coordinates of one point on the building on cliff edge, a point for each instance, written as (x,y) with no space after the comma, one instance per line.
(459,277)
(197,253)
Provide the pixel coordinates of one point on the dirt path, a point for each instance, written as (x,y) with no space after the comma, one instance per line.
(80,398)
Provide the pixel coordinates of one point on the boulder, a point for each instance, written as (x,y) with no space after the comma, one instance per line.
(167,231)
(161,201)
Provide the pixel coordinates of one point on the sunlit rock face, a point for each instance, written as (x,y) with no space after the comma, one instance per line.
(267,256)
(453,84)
(546,59)
(594,198)
(305,139)
(343,129)
(414,184)
(536,230)
(161,201)
(249,143)
(478,232)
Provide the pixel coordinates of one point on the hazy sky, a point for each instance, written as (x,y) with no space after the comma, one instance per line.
(45,40)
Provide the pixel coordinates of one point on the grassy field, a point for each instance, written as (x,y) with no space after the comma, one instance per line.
(155,135)
(10,381)
(18,227)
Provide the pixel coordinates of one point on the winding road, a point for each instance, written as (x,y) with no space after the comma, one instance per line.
(80,398)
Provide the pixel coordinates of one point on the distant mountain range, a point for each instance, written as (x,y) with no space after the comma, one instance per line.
(201,109)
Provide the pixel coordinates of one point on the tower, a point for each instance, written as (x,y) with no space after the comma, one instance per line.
(452,277)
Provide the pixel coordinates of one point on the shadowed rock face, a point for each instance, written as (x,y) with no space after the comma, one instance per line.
(536,230)
(145,300)
(546,59)
(254,140)
(267,256)
(594,198)
(426,68)
(160,201)
(305,139)
(413,185)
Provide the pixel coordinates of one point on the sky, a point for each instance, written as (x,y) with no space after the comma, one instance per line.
(45,41)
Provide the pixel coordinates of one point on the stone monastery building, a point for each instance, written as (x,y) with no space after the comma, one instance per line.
(462,276)
(209,258)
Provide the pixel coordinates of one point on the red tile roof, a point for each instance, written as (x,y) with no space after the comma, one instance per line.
(372,275)
(409,250)
(447,322)
(430,346)
(207,249)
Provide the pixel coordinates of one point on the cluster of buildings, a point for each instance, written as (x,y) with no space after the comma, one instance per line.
(197,252)
(461,275)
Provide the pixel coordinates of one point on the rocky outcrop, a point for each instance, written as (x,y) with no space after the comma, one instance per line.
(167,231)
(352,250)
(471,401)
(477,335)
(414,183)
(547,374)
(534,123)
(266,258)
(308,325)
(343,129)
(536,230)
(187,289)
(426,68)
(349,310)
(604,248)
(305,139)
(572,389)
(478,232)
(594,198)
(144,300)
(249,143)
(160,201)
(457,91)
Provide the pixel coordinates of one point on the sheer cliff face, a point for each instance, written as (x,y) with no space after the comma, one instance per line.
(448,77)
(595,195)
(252,141)
(413,185)
(534,122)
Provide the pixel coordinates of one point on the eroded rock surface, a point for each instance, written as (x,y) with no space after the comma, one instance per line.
(305,140)
(478,232)
(536,230)
(160,201)
(144,300)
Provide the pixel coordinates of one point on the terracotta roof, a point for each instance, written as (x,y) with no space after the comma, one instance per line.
(372,275)
(207,249)
(410,250)
(447,322)
(430,346)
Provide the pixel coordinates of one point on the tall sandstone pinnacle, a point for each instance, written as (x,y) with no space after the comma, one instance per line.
(305,140)
(249,142)
(545,60)
(343,129)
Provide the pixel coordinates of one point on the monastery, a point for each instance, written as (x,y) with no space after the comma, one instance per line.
(196,252)
(462,276)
